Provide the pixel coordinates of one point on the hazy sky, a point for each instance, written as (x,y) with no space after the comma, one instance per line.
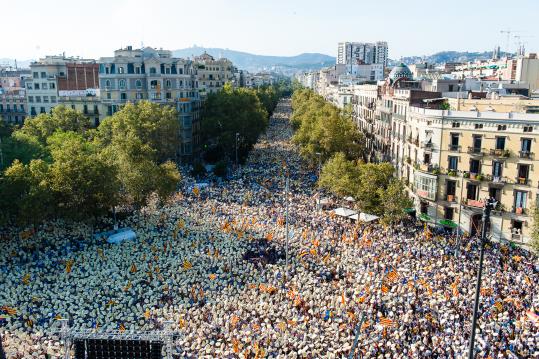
(34,28)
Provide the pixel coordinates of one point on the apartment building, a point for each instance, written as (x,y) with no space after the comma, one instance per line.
(133,75)
(13,105)
(357,53)
(460,158)
(54,73)
(213,74)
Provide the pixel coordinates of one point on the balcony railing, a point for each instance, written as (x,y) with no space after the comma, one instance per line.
(522,181)
(426,145)
(450,198)
(476,151)
(500,152)
(474,203)
(454,148)
(519,210)
(526,154)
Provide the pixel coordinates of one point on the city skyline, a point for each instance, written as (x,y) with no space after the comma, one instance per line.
(291,28)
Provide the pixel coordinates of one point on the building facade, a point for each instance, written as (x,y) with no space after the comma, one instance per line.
(132,75)
(213,74)
(13,106)
(357,53)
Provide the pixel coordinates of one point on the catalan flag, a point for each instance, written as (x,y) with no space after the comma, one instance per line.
(196,191)
(281,326)
(343,299)
(147,314)
(485,292)
(69,264)
(498,306)
(303,254)
(121,327)
(385,289)
(313,251)
(235,345)
(26,279)
(127,286)
(234,320)
(326,258)
(386,322)
(528,280)
(111,302)
(365,325)
(392,276)
(57,317)
(187,265)
(9,310)
(212,276)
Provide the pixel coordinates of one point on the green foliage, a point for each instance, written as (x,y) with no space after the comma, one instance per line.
(394,199)
(535,230)
(323,128)
(155,125)
(445,106)
(232,111)
(373,186)
(340,176)
(61,168)
(220,169)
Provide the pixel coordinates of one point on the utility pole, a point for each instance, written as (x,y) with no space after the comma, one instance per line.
(286,220)
(319,173)
(237,137)
(457,252)
(489,205)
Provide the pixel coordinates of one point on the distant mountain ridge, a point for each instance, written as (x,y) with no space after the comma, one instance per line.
(252,62)
(446,56)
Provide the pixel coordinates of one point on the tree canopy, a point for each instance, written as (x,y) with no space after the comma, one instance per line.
(58,167)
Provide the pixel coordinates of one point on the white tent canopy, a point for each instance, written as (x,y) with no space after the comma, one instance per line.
(364,217)
(349,199)
(124,234)
(344,212)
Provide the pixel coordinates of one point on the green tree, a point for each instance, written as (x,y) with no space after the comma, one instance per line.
(155,125)
(340,176)
(228,112)
(394,200)
(373,178)
(535,230)
(84,184)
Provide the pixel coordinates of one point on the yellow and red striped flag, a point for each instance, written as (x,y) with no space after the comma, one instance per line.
(392,276)
(385,289)
(187,265)
(212,276)
(26,279)
(365,325)
(498,306)
(386,322)
(122,328)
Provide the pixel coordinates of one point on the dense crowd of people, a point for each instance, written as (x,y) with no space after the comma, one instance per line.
(213,260)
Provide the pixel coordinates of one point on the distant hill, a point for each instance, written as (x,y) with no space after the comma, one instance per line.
(252,62)
(446,56)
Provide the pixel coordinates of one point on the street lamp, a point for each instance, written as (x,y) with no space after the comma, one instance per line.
(489,206)
(237,138)
(319,173)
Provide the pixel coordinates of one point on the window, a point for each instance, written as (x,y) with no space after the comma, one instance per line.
(425,186)
(46,99)
(30,98)
(497,170)
(454,146)
(43,75)
(167,83)
(448,213)
(520,199)
(36,86)
(53,99)
(85,109)
(478,125)
(500,143)
(137,70)
(453,162)
(42,110)
(153,84)
(475,166)
(38,99)
(495,193)
(525,147)
(471,191)
(120,69)
(168,95)
(139,96)
(123,96)
(32,111)
(35,75)
(121,84)
(451,188)
(523,172)
(502,127)
(153,70)
(477,143)
(44,86)
(108,96)
(29,86)
(167,70)
(138,83)
(52,85)
(107,84)
(455,124)
(528,128)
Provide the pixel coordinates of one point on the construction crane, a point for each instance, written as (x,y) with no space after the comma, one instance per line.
(521,43)
(508,32)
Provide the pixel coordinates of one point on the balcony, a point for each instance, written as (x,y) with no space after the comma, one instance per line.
(450,198)
(526,154)
(475,151)
(522,181)
(455,148)
(427,145)
(498,181)
(496,152)
(520,210)
(473,203)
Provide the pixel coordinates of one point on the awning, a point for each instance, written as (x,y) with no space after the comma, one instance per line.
(448,223)
(344,212)
(364,217)
(349,199)
(425,217)
(409,210)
